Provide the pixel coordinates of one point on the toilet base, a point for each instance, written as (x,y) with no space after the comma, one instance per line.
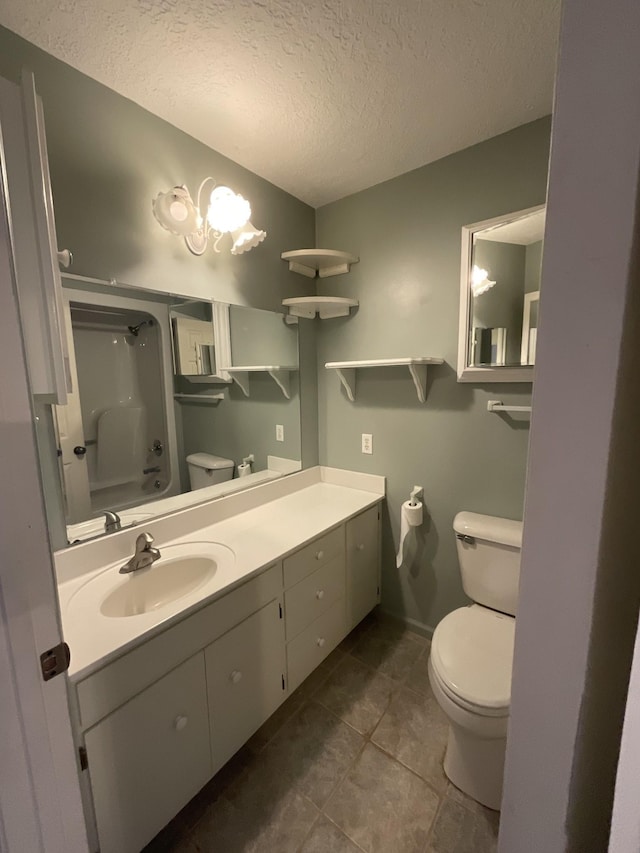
(476,765)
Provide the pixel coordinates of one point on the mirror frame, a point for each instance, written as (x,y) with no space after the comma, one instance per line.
(466,372)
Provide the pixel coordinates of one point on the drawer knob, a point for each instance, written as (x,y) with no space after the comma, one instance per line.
(180,723)
(236,676)
(320,642)
(319,555)
(319,594)
(360,547)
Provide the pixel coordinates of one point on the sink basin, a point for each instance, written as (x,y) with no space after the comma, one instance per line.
(181,572)
(154,587)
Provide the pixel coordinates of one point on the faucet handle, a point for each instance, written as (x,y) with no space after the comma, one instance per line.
(144,542)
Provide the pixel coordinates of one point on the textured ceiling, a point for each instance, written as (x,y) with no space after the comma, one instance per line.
(323,97)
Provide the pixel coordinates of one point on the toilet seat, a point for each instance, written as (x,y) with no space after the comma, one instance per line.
(472,657)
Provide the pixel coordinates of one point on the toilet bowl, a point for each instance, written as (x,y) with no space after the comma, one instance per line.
(471,656)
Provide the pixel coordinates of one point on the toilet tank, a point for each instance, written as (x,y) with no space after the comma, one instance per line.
(489,557)
(205,469)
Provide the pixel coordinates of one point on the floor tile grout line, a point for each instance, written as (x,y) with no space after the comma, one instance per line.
(344,832)
(339,782)
(441,801)
(429,785)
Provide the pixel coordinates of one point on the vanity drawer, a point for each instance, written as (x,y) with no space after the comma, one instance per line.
(245,680)
(312,646)
(314,595)
(312,556)
(149,758)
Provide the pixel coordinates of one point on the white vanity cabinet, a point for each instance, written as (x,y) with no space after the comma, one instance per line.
(363,565)
(161,719)
(149,758)
(245,680)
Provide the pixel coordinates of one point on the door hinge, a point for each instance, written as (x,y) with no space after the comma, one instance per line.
(84,760)
(55,661)
(283,685)
(280,609)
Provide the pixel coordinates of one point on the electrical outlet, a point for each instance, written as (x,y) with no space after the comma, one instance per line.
(279,432)
(367,443)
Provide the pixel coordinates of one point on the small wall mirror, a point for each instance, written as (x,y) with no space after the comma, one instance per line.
(200,340)
(499,293)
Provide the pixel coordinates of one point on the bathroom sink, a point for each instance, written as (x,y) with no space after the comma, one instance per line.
(158,585)
(175,579)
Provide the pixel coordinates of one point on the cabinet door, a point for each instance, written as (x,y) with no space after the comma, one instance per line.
(245,680)
(149,758)
(363,565)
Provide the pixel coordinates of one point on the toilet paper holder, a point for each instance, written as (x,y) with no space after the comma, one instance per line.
(416,496)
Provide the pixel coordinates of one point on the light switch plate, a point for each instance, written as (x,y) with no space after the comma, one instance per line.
(367,443)
(279,432)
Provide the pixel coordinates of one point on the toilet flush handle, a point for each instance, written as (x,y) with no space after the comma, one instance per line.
(468,540)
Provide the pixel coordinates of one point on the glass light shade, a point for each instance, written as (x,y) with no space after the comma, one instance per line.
(246,238)
(480,282)
(227,210)
(176,212)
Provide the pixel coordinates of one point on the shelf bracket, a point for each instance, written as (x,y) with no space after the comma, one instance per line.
(242,379)
(283,379)
(301,269)
(419,375)
(348,378)
(499,406)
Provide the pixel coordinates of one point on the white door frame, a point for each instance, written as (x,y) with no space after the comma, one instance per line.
(40,802)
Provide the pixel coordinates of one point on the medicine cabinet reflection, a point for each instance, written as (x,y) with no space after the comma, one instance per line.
(499,295)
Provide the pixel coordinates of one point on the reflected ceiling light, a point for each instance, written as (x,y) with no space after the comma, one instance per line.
(480,282)
(226,213)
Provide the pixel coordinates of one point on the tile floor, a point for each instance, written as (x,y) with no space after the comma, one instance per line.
(351,762)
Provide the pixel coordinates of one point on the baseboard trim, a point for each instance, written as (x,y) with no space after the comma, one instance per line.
(413,624)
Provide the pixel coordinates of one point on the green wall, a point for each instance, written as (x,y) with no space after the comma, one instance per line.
(407,234)
(109,158)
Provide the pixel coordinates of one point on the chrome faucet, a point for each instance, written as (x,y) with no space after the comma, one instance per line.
(144,556)
(112,521)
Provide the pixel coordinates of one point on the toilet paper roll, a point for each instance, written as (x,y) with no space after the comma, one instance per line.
(411,515)
(244,469)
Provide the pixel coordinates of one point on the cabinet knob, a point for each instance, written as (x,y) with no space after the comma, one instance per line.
(319,594)
(320,642)
(180,723)
(236,676)
(360,547)
(319,555)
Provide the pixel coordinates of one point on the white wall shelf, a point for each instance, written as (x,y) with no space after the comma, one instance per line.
(499,406)
(199,398)
(323,262)
(327,307)
(278,372)
(417,369)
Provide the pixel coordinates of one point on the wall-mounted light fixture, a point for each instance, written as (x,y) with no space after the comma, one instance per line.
(480,281)
(226,213)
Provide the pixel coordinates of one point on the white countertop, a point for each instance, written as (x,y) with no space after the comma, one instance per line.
(316,500)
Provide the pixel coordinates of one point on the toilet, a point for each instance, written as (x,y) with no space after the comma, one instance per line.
(472,655)
(207,470)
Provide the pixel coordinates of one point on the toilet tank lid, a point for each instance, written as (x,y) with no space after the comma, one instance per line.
(504,531)
(209,461)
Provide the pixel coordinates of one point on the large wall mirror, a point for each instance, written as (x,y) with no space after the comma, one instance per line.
(499,294)
(175,402)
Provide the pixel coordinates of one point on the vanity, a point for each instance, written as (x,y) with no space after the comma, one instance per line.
(169,682)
